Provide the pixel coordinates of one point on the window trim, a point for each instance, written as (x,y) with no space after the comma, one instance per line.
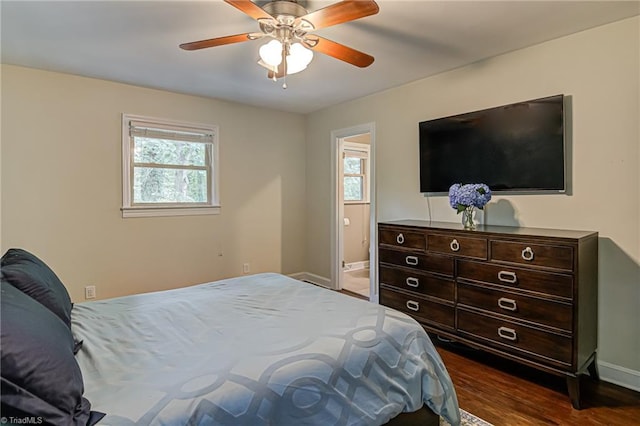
(365,149)
(129,209)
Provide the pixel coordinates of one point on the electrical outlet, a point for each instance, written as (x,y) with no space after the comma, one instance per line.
(245,268)
(90,292)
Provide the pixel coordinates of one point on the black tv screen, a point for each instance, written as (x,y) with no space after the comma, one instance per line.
(516,147)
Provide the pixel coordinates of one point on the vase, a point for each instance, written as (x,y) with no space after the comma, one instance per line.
(468,215)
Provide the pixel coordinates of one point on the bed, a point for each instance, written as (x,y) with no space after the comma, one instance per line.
(263,349)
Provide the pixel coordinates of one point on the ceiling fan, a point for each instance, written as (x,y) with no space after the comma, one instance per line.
(290,26)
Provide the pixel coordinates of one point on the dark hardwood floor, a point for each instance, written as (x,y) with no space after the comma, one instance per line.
(505,393)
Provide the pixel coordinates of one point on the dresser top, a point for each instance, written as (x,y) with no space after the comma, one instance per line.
(495,229)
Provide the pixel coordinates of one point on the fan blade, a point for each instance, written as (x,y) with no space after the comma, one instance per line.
(338,51)
(338,13)
(249,8)
(219,41)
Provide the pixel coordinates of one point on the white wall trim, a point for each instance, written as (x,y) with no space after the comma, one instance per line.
(168,211)
(618,375)
(313,278)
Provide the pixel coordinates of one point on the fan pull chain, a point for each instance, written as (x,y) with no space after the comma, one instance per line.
(285,54)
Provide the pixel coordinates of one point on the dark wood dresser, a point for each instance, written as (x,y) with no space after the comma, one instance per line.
(527,294)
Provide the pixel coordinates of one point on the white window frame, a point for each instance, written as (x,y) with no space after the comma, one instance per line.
(130,209)
(361,150)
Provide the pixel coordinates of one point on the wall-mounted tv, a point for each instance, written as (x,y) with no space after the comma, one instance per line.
(512,148)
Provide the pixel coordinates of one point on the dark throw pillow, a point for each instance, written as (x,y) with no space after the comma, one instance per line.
(33,277)
(39,372)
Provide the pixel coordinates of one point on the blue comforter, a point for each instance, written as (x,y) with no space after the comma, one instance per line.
(257,350)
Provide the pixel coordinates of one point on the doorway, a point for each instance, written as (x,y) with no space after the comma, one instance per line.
(354,211)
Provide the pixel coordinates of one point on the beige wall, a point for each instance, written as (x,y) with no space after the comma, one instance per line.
(599,70)
(356,234)
(61,187)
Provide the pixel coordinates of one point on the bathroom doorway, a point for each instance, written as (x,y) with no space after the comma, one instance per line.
(353,235)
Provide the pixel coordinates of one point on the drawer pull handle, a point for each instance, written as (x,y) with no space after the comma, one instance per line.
(414,306)
(411,260)
(507,277)
(400,239)
(454,245)
(507,333)
(508,304)
(412,282)
(527,254)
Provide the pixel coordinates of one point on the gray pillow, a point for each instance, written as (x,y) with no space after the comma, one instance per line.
(39,373)
(33,277)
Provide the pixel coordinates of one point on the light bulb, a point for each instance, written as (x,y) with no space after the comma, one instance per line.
(271,53)
(298,58)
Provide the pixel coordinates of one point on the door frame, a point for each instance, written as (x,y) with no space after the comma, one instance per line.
(337,207)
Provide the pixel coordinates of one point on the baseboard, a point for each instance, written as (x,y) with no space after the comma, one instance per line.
(354,266)
(620,376)
(313,279)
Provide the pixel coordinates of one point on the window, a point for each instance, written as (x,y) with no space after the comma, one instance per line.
(169,168)
(356,172)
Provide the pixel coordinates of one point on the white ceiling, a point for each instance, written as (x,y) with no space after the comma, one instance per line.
(136,42)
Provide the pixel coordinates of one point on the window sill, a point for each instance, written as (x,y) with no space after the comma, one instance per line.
(356,202)
(168,211)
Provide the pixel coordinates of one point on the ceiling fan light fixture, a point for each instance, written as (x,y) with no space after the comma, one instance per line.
(271,53)
(298,59)
(289,24)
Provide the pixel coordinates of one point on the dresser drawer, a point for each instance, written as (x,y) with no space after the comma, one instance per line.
(553,314)
(557,257)
(420,308)
(428,284)
(457,246)
(400,238)
(425,262)
(525,279)
(554,348)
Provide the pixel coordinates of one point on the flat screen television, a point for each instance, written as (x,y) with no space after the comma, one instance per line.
(512,148)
